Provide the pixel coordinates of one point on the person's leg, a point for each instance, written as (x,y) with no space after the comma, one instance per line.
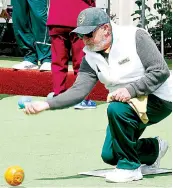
(127,151)
(39,12)
(123,123)
(107,154)
(60,56)
(77,46)
(147,149)
(22,30)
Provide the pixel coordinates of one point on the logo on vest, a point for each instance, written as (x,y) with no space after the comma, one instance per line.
(124,61)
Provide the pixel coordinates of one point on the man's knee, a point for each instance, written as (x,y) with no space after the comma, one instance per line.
(108,158)
(116,109)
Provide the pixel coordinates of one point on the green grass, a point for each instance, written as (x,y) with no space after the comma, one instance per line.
(169,62)
(54,146)
(2,96)
(11,58)
(100,102)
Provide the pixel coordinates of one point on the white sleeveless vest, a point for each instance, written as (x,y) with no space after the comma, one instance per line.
(124,65)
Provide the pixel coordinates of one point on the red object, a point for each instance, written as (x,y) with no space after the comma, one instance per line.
(36,83)
(62,19)
(65,12)
(61,42)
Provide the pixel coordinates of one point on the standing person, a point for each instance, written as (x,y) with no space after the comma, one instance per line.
(29,23)
(3,9)
(61,21)
(126,60)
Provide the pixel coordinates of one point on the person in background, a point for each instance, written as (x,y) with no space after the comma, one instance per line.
(127,61)
(3,9)
(61,21)
(31,33)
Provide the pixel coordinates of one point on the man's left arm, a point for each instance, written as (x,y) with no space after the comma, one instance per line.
(156,69)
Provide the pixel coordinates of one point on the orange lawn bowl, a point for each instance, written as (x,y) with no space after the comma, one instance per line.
(14,175)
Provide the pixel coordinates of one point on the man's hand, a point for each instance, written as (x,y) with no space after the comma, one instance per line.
(120,94)
(35,107)
(4,14)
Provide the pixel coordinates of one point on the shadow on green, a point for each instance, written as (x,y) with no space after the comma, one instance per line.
(153,175)
(65,177)
(83,176)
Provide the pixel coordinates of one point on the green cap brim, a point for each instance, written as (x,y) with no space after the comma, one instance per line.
(84,29)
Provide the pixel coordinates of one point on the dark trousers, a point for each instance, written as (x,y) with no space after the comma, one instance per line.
(29,24)
(122,146)
(61,45)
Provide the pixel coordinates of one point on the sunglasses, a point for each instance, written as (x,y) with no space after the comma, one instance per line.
(89,35)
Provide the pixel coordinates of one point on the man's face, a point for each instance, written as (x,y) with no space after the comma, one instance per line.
(99,40)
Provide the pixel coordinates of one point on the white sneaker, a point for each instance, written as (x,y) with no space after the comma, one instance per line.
(163,147)
(46,66)
(25,65)
(50,95)
(124,175)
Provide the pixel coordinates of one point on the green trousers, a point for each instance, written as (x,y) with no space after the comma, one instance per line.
(122,146)
(29,24)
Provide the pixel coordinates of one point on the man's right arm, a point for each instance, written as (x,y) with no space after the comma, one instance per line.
(84,83)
